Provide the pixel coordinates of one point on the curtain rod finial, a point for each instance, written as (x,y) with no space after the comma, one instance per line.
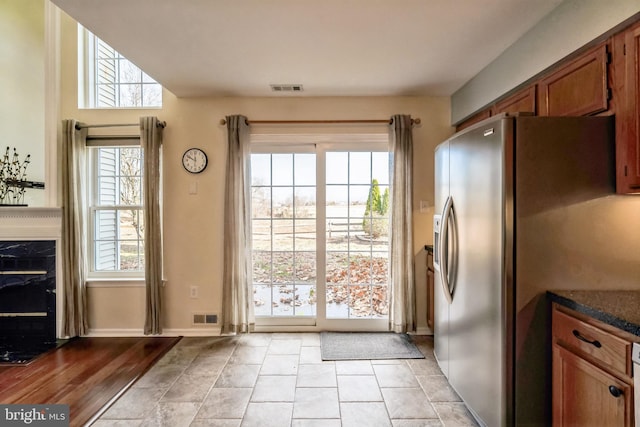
(417,121)
(223,122)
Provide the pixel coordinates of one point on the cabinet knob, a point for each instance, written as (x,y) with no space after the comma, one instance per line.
(615,391)
(594,343)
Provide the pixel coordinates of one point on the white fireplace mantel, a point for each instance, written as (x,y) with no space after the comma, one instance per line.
(25,223)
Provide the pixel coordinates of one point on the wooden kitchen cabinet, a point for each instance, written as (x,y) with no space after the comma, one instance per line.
(430,283)
(478,117)
(592,373)
(586,397)
(521,101)
(627,45)
(577,88)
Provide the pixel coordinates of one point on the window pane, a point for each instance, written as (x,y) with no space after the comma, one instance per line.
(282,235)
(129,73)
(261,235)
(151,95)
(337,167)
(305,202)
(106,96)
(305,169)
(360,168)
(282,202)
(380,167)
(261,169)
(130,95)
(282,169)
(261,202)
(337,198)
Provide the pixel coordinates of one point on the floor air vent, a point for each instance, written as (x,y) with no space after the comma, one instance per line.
(205,319)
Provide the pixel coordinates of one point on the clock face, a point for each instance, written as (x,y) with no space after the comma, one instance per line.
(194,160)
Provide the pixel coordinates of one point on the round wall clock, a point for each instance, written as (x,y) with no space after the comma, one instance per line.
(194,160)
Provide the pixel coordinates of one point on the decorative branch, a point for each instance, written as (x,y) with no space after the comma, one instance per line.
(13,176)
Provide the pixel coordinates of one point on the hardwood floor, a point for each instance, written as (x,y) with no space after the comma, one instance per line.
(88,374)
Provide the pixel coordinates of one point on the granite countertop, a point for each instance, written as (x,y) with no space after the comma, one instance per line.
(616,308)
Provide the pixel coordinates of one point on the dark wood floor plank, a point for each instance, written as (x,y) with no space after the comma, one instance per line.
(86,374)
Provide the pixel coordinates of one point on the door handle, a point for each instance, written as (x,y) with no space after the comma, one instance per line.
(444,255)
(615,391)
(594,343)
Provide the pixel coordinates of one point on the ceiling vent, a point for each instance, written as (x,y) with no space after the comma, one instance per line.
(286,88)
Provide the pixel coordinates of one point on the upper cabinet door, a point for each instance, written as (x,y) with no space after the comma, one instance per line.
(629,146)
(478,117)
(521,101)
(578,88)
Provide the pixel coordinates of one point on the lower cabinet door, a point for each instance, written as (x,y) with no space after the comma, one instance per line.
(585,395)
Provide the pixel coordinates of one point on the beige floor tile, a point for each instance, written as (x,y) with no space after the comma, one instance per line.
(267,414)
(316,403)
(359,414)
(395,376)
(173,414)
(354,367)
(225,403)
(280,365)
(240,376)
(407,403)
(454,414)
(317,376)
(358,388)
(274,388)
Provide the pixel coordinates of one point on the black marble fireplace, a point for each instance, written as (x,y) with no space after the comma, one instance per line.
(27,298)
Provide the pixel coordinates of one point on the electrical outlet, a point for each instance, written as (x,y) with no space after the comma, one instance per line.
(193,292)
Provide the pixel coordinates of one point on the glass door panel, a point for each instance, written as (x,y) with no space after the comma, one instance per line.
(284,235)
(357,235)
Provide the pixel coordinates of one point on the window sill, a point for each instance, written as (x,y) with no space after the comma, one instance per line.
(128,282)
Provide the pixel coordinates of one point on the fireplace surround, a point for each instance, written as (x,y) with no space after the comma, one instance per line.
(30,272)
(28,290)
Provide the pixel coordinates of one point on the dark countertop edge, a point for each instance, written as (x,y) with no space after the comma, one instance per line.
(597,314)
(428,248)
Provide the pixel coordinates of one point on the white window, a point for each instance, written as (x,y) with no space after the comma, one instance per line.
(108,80)
(116,221)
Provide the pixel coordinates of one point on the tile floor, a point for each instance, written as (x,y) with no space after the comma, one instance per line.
(280,380)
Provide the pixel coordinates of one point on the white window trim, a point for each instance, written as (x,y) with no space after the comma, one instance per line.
(100,278)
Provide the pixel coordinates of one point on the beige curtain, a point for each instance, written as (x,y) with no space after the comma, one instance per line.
(74,265)
(151,143)
(237,296)
(402,308)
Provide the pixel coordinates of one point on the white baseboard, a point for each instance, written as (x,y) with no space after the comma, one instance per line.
(190,332)
(424,330)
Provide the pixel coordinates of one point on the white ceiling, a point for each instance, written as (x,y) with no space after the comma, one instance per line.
(331,47)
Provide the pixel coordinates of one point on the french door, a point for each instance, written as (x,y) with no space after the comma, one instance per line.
(320,236)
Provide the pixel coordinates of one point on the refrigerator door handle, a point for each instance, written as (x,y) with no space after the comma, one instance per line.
(444,249)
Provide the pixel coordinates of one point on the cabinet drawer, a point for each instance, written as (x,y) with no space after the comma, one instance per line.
(611,351)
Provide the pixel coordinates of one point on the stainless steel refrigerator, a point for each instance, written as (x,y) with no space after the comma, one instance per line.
(494,181)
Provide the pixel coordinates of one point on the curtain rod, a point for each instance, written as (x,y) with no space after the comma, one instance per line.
(223,122)
(79,126)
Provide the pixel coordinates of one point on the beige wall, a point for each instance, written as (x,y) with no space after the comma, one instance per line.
(194,223)
(22,86)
